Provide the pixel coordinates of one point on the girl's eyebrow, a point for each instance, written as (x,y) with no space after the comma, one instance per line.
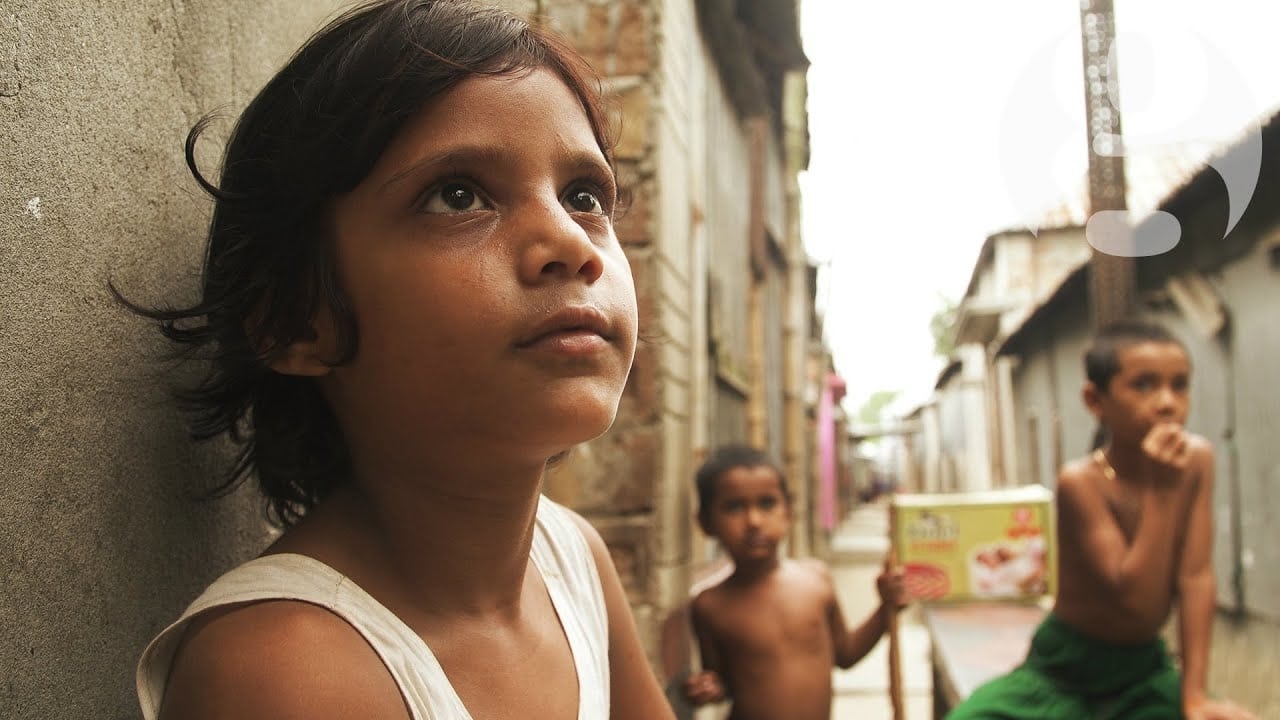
(470,156)
(458,156)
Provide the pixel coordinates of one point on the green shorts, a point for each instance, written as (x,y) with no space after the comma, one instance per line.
(1070,676)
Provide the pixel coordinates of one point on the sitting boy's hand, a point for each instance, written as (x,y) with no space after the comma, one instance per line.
(704,687)
(890,585)
(1217,710)
(1168,449)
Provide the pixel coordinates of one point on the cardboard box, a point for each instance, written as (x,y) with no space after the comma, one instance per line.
(998,544)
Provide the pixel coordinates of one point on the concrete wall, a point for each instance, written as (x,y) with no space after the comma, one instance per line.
(102,543)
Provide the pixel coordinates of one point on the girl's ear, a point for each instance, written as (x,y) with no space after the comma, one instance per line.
(303,358)
(313,356)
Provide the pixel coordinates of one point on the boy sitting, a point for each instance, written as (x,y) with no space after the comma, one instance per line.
(1134,534)
(771,632)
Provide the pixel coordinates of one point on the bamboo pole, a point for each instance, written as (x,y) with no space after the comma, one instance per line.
(895,647)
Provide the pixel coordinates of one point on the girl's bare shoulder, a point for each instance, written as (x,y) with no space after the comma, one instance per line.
(277,659)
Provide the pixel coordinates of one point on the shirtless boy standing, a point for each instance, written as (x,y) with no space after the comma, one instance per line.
(1135,534)
(772,631)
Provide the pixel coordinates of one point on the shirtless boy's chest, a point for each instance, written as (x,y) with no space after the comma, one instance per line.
(1124,500)
(776,623)
(1125,503)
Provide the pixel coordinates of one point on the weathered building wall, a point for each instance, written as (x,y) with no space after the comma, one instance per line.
(728,232)
(1034,414)
(685,160)
(773,293)
(796,457)
(1250,290)
(681,136)
(1047,387)
(622,481)
(774,306)
(952,456)
(1246,648)
(102,542)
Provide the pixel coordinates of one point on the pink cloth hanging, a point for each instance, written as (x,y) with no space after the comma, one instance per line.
(832,391)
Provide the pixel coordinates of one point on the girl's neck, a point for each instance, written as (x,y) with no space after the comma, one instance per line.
(454,540)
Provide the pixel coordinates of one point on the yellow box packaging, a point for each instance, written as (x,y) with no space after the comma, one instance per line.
(997,544)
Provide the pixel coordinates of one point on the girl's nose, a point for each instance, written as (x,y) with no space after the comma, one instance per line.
(556,246)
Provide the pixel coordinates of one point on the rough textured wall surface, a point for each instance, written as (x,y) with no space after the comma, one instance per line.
(617,480)
(101,541)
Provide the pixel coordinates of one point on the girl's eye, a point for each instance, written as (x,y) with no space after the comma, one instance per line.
(452,198)
(584,201)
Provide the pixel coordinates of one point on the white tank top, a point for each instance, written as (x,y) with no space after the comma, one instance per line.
(559,552)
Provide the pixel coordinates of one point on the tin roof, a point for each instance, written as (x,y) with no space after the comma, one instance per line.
(1198,191)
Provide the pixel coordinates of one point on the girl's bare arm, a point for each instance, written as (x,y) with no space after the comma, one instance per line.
(279,660)
(633,687)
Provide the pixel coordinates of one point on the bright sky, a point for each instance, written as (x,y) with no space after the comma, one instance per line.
(935,123)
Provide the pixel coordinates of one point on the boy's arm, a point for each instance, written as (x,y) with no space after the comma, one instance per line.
(707,649)
(706,685)
(852,645)
(1135,572)
(1196,585)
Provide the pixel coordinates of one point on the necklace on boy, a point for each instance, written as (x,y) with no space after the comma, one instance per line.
(1108,472)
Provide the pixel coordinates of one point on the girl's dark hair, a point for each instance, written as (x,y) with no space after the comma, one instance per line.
(1102,358)
(312,133)
(724,459)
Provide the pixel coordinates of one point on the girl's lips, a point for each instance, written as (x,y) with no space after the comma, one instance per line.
(572,325)
(572,341)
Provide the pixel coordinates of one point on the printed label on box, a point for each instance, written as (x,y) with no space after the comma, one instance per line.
(995,544)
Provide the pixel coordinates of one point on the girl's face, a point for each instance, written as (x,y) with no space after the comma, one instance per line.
(495,308)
